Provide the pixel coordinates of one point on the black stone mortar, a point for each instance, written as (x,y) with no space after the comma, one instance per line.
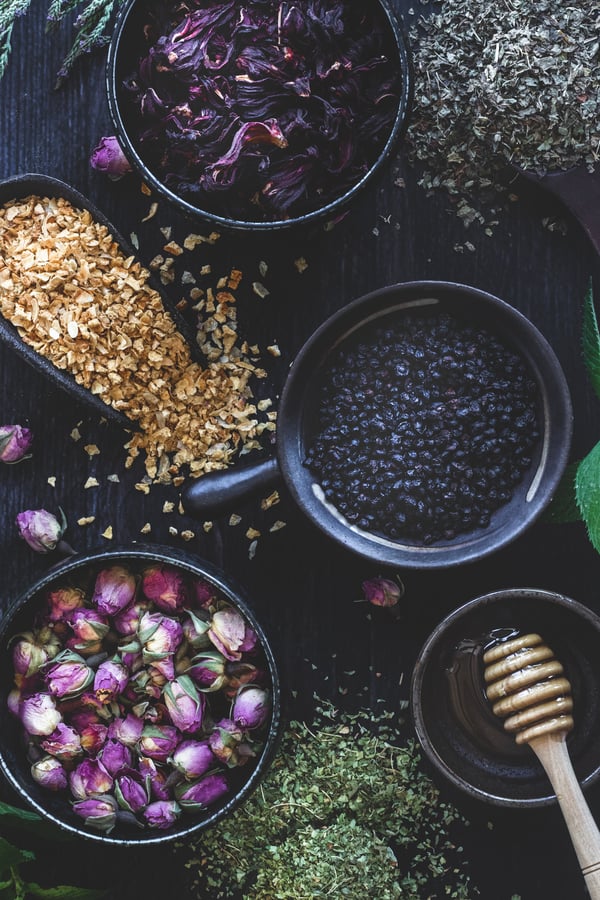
(298,422)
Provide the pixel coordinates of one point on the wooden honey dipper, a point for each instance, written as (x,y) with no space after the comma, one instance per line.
(527,687)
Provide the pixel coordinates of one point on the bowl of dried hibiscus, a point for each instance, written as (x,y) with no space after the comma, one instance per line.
(261,116)
(139,697)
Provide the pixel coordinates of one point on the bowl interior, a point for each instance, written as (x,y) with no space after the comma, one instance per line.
(457,729)
(128,45)
(298,421)
(81,572)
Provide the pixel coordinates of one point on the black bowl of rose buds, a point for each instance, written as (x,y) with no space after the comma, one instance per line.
(263,115)
(424,425)
(139,697)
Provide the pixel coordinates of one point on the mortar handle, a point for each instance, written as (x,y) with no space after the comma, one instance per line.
(551,750)
(219,492)
(579,190)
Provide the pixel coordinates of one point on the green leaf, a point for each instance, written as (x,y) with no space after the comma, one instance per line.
(563,507)
(591,341)
(30,822)
(63,892)
(12,856)
(587,492)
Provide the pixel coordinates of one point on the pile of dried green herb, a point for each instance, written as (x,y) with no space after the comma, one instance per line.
(499,83)
(345,812)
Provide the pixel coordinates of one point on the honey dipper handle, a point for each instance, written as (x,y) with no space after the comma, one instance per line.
(551,750)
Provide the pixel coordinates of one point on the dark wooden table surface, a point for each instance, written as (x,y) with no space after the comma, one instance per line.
(303,587)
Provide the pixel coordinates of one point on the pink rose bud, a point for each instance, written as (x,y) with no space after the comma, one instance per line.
(184,703)
(98,812)
(195,630)
(114,590)
(131,792)
(251,707)
(239,673)
(89,626)
(115,756)
(49,773)
(62,602)
(162,813)
(155,778)
(128,730)
(166,588)
(159,741)
(15,442)
(226,742)
(28,655)
(41,529)
(207,669)
(230,634)
(382,591)
(203,593)
(109,158)
(93,737)
(39,714)
(159,635)
(88,778)
(202,793)
(68,676)
(127,621)
(193,758)
(110,680)
(64,743)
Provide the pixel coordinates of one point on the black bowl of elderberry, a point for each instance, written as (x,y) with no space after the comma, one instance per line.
(424,425)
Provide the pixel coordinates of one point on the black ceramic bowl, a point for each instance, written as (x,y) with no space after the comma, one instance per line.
(80,571)
(128,45)
(297,424)
(460,735)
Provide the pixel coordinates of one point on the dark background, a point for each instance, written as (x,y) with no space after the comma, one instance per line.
(302,587)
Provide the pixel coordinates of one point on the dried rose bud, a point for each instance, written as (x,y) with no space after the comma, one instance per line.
(154,778)
(251,707)
(109,158)
(207,669)
(41,529)
(128,730)
(203,593)
(239,673)
(193,758)
(88,778)
(159,741)
(28,655)
(110,680)
(15,443)
(64,743)
(49,773)
(115,756)
(68,676)
(131,791)
(166,588)
(230,633)
(159,635)
(89,626)
(127,621)
(98,812)
(382,591)
(93,737)
(162,813)
(114,590)
(195,631)
(202,793)
(62,602)
(226,742)
(184,703)
(14,700)
(39,714)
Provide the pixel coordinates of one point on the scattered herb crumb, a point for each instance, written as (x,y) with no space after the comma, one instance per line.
(108,533)
(91,482)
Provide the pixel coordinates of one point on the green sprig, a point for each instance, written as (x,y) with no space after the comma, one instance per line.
(92,27)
